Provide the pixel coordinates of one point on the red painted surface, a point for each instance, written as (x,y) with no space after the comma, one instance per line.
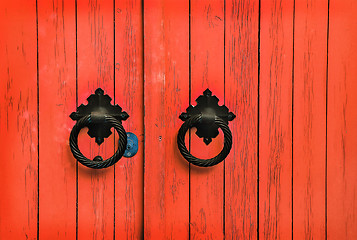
(287,70)
(18,121)
(309,155)
(275,113)
(95,44)
(207,71)
(57,97)
(241,88)
(341,122)
(129,91)
(166,84)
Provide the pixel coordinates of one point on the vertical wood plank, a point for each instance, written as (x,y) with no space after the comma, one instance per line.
(275,143)
(57,99)
(207,71)
(341,121)
(129,94)
(166,179)
(95,47)
(18,120)
(310,52)
(241,87)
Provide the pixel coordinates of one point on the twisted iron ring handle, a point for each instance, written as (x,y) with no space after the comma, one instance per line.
(97,162)
(204,162)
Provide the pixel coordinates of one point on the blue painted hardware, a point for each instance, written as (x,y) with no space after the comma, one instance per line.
(131,146)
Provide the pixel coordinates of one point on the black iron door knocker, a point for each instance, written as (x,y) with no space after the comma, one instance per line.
(99,116)
(207,116)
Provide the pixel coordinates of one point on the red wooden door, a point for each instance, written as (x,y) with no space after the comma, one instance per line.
(285,68)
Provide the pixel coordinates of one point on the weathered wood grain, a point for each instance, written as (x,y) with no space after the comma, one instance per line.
(303,148)
(57,99)
(129,93)
(342,121)
(275,142)
(95,48)
(310,51)
(18,120)
(207,71)
(241,88)
(166,72)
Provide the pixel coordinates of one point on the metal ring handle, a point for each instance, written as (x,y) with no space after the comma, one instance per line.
(204,162)
(97,162)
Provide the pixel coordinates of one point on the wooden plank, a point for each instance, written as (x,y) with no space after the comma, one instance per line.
(166,179)
(207,71)
(341,121)
(129,95)
(57,99)
(95,44)
(310,51)
(275,142)
(18,120)
(241,88)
